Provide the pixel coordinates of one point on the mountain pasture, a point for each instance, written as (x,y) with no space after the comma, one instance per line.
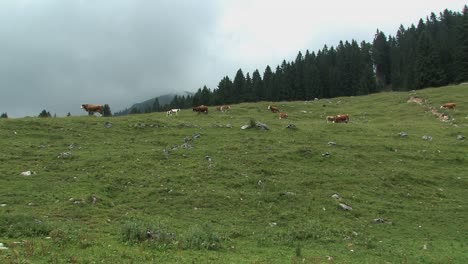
(194,188)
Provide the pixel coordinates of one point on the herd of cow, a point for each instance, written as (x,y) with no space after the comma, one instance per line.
(92,108)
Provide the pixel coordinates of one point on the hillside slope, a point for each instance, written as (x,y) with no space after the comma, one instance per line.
(187,188)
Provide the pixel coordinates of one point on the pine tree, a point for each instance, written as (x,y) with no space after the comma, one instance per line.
(238,94)
(4,115)
(462,63)
(68,114)
(106,110)
(381,57)
(44,113)
(257,86)
(427,63)
(135,111)
(156,106)
(268,83)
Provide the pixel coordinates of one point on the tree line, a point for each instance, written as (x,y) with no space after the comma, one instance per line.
(431,54)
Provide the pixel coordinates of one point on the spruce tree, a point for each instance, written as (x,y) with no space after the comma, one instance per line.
(381,57)
(4,115)
(257,86)
(427,63)
(238,93)
(156,106)
(106,110)
(462,63)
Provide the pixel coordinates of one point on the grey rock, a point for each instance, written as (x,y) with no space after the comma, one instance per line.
(331,143)
(403,134)
(108,125)
(261,126)
(460,137)
(229,126)
(292,126)
(336,196)
(345,207)
(64,155)
(428,138)
(326,155)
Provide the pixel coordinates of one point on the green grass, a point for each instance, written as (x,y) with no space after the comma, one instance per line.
(203,202)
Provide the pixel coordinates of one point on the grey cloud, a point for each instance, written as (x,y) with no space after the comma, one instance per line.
(58,54)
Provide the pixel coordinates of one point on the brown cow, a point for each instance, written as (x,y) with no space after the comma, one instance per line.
(200,109)
(273,109)
(341,118)
(448,106)
(283,115)
(91,108)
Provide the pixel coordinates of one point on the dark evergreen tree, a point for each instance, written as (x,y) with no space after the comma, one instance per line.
(427,63)
(107,111)
(4,115)
(462,62)
(367,82)
(135,111)
(258,87)
(298,88)
(44,113)
(381,57)
(68,114)
(205,96)
(239,92)
(156,106)
(248,89)
(268,83)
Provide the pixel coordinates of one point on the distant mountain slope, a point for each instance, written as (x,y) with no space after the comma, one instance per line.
(163,100)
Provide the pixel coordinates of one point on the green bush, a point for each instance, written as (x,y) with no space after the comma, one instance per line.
(138,231)
(202,237)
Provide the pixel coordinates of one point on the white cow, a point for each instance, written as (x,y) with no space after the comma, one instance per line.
(172,111)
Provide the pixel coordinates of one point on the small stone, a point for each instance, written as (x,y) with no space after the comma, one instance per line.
(336,196)
(291,126)
(3,205)
(245,126)
(331,143)
(108,124)
(429,138)
(345,207)
(460,137)
(326,155)
(229,126)
(403,134)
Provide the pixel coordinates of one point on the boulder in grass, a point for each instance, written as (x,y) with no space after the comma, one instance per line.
(345,207)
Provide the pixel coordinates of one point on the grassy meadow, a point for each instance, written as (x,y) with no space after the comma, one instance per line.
(195,188)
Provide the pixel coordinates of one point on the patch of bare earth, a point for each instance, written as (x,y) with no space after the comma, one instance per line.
(419,100)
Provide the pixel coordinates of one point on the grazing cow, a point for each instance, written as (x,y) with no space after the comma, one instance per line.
(273,109)
(200,109)
(341,118)
(330,119)
(223,108)
(172,111)
(448,106)
(283,115)
(91,108)
(338,119)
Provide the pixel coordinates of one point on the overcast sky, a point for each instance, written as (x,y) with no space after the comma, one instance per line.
(59,54)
